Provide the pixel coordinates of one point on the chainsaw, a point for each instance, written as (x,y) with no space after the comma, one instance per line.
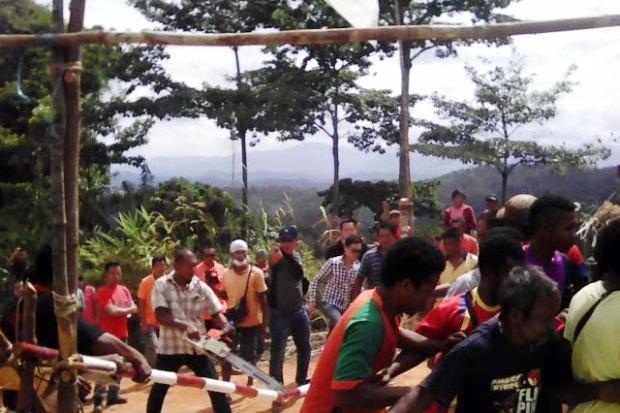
(219,351)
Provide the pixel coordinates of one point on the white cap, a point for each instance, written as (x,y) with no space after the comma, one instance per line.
(238,245)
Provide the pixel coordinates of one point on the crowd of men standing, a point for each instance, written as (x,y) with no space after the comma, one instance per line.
(486,298)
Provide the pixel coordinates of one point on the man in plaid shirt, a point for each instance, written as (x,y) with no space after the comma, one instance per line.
(339,275)
(180,300)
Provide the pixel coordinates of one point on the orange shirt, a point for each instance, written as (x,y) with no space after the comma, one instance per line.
(234,285)
(362,344)
(144,294)
(120,297)
(201,270)
(468,243)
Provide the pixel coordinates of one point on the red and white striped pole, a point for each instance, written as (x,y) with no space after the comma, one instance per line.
(166,377)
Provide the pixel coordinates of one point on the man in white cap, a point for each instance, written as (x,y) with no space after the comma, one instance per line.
(245,288)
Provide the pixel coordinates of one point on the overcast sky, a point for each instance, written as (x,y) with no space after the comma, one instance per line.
(589,112)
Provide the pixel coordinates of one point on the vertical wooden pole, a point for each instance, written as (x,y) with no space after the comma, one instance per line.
(26,398)
(67,389)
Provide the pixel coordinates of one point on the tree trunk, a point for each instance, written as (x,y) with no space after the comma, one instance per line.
(336,157)
(404,170)
(242,131)
(504,187)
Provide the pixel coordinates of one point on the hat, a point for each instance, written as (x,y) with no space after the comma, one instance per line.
(491,198)
(394,212)
(287,234)
(517,210)
(238,245)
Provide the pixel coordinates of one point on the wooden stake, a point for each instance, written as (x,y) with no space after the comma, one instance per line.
(319,36)
(26,398)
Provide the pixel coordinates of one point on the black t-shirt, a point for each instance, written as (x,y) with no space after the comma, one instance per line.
(337,250)
(488,375)
(46,327)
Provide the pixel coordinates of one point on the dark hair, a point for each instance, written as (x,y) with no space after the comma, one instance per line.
(453,234)
(506,231)
(390,227)
(414,259)
(458,192)
(353,239)
(43,272)
(206,245)
(157,259)
(110,265)
(497,249)
(348,221)
(606,251)
(80,278)
(182,254)
(546,210)
(523,288)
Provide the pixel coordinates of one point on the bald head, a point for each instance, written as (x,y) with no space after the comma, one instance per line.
(184,263)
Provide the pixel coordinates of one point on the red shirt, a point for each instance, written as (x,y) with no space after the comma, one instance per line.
(120,297)
(89,313)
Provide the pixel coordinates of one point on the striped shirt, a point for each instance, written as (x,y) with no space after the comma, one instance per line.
(187,304)
(370,268)
(338,280)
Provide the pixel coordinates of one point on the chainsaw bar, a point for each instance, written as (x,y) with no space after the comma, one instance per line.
(222,352)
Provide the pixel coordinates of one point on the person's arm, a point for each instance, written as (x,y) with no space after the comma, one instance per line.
(470,219)
(108,344)
(417,400)
(322,277)
(446,219)
(165,318)
(356,289)
(264,308)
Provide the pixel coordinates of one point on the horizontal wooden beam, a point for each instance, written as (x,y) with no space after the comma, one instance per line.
(319,36)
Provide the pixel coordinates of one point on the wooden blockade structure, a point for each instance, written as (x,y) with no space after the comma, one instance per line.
(65,131)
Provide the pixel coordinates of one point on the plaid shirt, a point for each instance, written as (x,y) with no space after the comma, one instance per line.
(339,281)
(187,304)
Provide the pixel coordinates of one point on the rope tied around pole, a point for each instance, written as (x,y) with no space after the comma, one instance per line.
(65,305)
(68,69)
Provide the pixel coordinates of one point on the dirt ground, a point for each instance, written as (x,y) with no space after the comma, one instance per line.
(186,400)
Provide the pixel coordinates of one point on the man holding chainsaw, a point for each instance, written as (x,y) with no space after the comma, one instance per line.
(180,300)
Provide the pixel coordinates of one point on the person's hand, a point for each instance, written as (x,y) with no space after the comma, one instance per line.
(276,254)
(382,378)
(453,340)
(609,391)
(192,333)
(310,308)
(142,370)
(84,388)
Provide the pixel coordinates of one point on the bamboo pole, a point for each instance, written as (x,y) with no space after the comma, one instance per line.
(317,36)
(67,389)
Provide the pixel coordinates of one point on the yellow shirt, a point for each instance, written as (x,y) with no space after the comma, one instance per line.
(451,273)
(596,354)
(234,285)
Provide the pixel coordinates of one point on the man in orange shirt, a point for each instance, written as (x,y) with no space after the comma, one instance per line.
(468,243)
(148,323)
(244,285)
(211,272)
(115,305)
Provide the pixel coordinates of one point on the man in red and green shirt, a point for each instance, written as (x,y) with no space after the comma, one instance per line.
(364,342)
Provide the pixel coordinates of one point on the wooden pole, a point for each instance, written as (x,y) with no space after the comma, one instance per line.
(318,36)
(67,389)
(26,398)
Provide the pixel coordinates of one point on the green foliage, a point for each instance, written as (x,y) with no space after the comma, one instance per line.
(482,132)
(358,194)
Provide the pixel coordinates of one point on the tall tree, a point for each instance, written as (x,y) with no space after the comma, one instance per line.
(230,107)
(325,78)
(484,132)
(114,120)
(410,12)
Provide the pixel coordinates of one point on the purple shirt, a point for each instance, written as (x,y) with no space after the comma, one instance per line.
(554,269)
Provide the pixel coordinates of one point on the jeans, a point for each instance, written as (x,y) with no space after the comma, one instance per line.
(332,313)
(150,341)
(246,339)
(283,324)
(200,365)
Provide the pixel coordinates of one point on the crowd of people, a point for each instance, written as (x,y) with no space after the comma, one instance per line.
(497,303)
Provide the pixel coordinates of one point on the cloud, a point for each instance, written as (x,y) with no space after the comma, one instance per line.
(588,112)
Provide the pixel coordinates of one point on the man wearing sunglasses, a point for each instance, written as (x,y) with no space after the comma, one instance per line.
(338,276)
